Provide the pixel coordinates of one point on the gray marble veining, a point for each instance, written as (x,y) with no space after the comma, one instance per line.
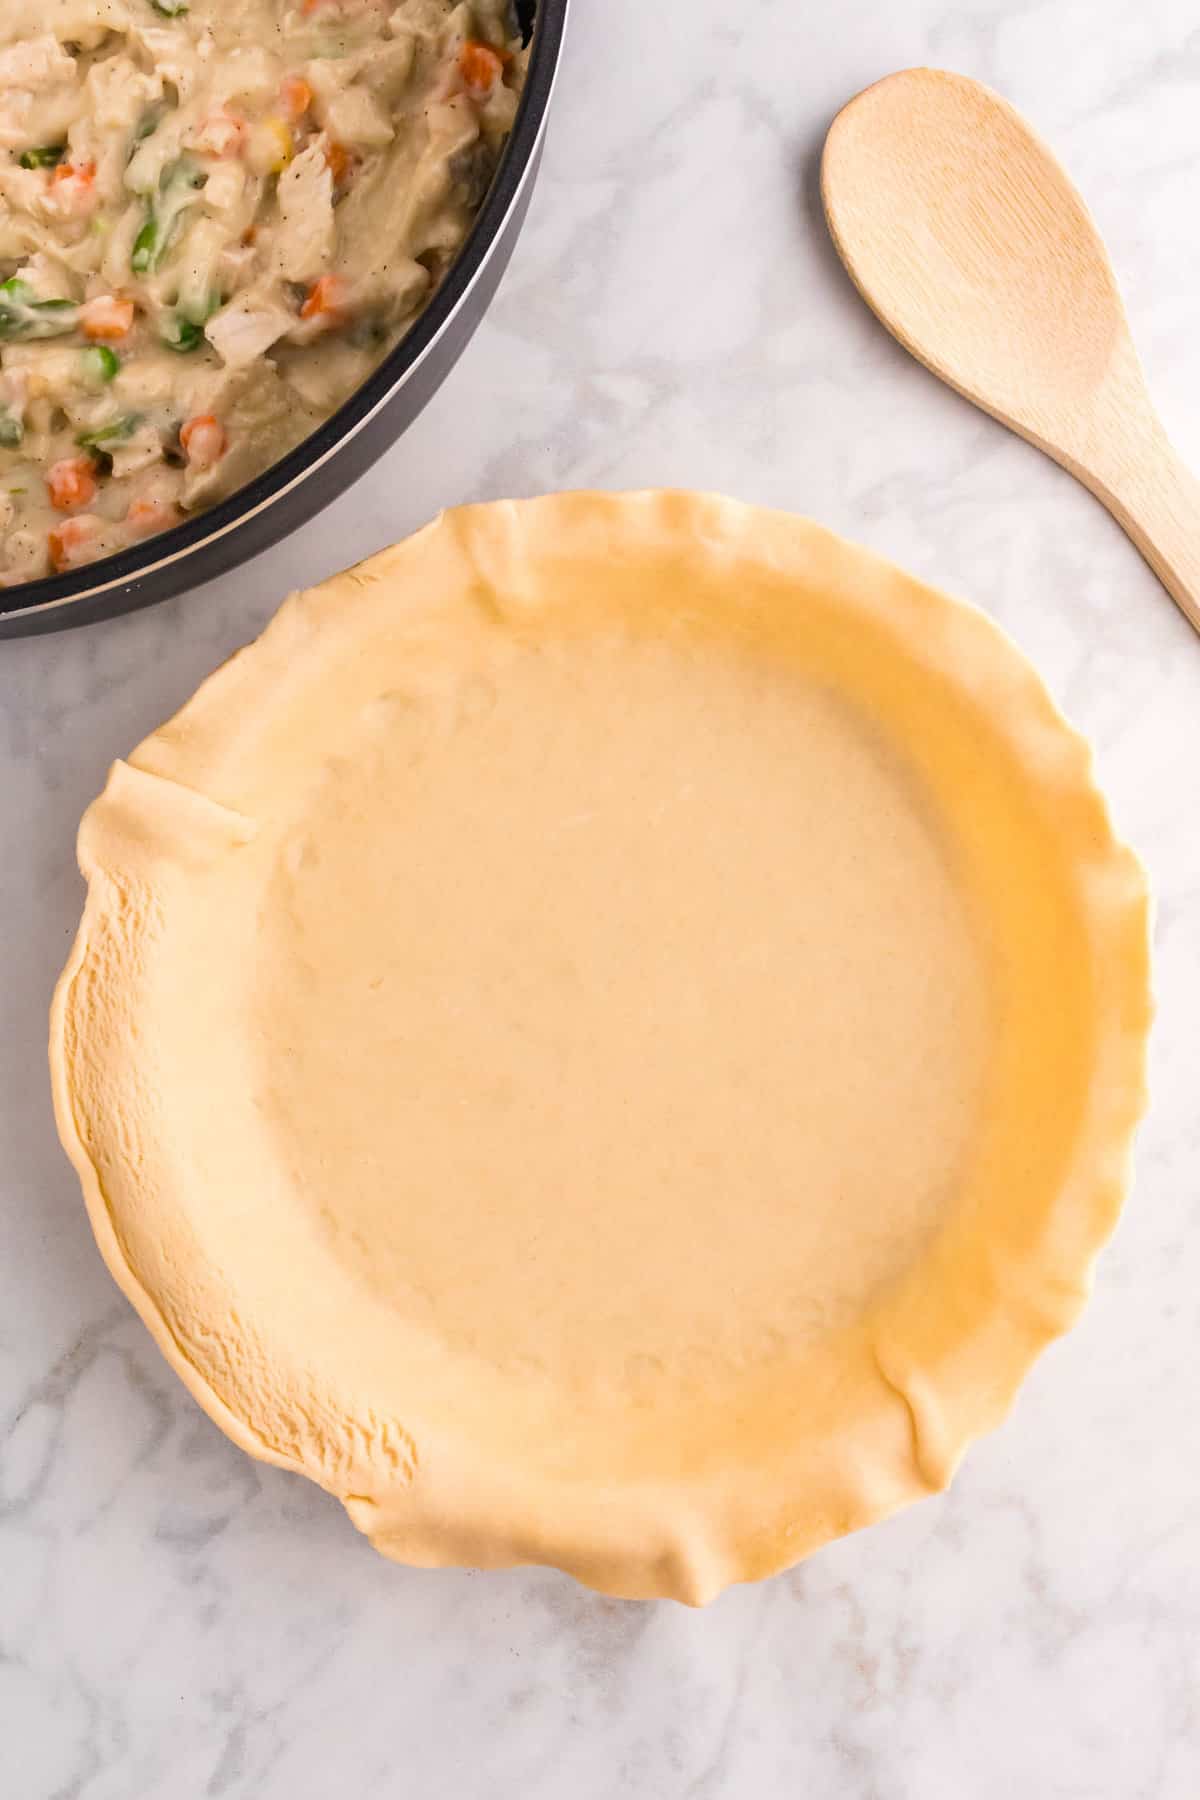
(176,1622)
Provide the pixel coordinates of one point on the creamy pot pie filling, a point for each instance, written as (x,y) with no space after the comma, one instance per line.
(214,222)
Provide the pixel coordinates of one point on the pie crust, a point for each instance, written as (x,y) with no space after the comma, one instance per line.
(609,1037)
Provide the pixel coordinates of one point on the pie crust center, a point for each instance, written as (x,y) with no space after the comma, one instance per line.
(641,1025)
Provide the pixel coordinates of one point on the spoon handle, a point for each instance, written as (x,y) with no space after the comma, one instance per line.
(1154,497)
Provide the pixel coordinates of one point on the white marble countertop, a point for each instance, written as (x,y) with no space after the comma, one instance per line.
(177,1622)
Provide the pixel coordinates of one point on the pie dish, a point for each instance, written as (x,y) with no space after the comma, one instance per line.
(609,1037)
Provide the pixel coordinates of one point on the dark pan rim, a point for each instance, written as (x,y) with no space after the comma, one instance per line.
(58,592)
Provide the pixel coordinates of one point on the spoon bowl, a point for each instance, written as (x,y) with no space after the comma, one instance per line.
(968,239)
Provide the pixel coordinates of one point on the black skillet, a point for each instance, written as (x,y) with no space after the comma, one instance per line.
(313,474)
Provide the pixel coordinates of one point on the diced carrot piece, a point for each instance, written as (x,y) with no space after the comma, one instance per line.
(105,319)
(326,299)
(73,188)
(83,172)
(338,160)
(145,517)
(71,482)
(295,96)
(203,441)
(480,67)
(72,542)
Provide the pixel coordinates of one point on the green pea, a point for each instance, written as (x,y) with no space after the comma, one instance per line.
(145,252)
(42,156)
(180,334)
(115,432)
(178,185)
(100,364)
(21,316)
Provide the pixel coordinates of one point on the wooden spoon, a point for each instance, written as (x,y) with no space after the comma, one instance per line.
(966,236)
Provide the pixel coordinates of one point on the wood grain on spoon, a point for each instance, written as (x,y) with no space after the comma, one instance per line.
(966,236)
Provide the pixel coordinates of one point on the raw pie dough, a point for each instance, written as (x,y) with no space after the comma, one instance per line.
(610,1036)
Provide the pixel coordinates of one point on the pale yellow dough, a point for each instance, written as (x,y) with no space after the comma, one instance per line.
(609,1037)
